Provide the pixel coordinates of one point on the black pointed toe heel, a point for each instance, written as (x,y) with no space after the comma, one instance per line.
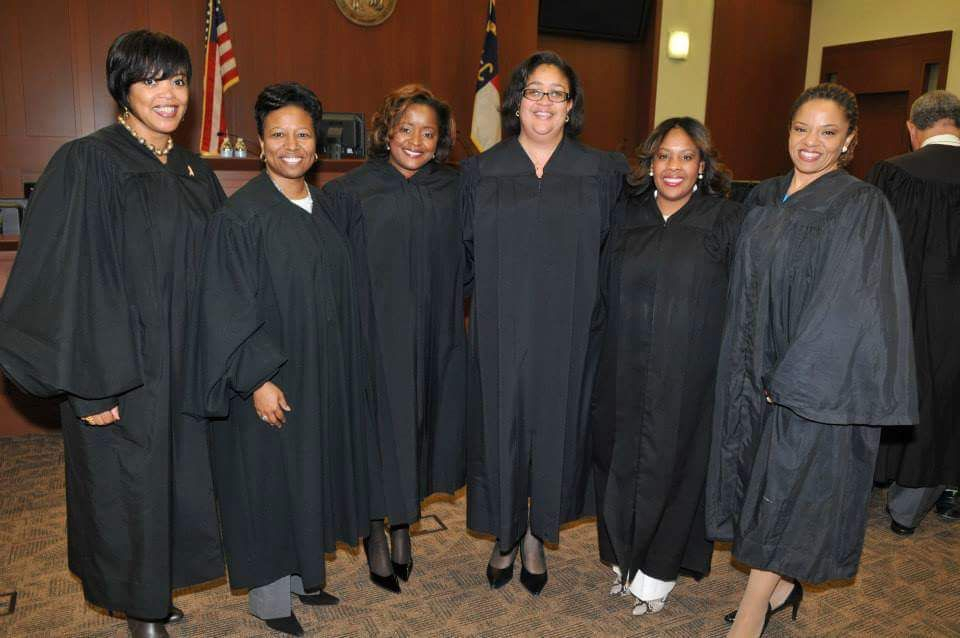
(793,599)
(318,598)
(288,625)
(390,583)
(500,576)
(403,570)
(533,583)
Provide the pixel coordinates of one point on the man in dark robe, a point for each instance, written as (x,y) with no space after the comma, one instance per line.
(278,303)
(924,189)
(96,308)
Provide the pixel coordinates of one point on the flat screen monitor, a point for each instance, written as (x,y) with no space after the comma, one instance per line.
(602,19)
(342,136)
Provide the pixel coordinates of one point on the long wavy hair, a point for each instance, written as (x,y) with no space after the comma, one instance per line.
(716,176)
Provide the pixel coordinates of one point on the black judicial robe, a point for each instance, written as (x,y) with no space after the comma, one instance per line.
(818,319)
(277,303)
(406,234)
(533,254)
(652,410)
(924,189)
(97,308)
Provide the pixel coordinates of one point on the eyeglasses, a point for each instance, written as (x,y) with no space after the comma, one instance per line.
(555,95)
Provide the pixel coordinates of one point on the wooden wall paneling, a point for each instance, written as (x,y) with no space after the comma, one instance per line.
(751,87)
(47,76)
(83,89)
(887,75)
(106,20)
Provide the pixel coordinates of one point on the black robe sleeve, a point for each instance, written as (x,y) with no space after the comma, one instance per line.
(234,354)
(65,324)
(851,360)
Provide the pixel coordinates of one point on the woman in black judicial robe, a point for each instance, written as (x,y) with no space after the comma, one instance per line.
(663,303)
(537,208)
(817,350)
(406,234)
(96,308)
(280,356)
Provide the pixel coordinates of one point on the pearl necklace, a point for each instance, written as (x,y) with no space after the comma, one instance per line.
(159,152)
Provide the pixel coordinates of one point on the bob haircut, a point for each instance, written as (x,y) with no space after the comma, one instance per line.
(518,82)
(716,176)
(141,55)
(842,97)
(277,96)
(387,117)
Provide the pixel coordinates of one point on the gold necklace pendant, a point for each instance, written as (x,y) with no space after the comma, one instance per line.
(159,152)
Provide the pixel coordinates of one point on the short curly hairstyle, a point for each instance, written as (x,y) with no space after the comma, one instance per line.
(136,56)
(387,118)
(277,96)
(518,82)
(842,97)
(716,176)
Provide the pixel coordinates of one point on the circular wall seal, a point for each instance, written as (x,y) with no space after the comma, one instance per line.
(367,13)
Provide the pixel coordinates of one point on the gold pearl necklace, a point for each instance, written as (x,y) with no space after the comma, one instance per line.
(159,152)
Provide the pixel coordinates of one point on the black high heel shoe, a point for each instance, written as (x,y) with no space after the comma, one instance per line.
(402,570)
(500,576)
(793,599)
(388,582)
(534,583)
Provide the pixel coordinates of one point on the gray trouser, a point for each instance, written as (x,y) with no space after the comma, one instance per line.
(273,600)
(908,505)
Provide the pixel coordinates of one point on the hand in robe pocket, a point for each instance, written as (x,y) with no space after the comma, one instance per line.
(270,404)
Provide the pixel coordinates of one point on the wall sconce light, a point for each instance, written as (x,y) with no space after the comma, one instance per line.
(678,46)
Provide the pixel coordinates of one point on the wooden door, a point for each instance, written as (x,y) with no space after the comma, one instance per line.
(887,76)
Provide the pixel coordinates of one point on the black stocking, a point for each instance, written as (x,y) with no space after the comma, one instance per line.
(533,557)
(501,560)
(400,544)
(377,550)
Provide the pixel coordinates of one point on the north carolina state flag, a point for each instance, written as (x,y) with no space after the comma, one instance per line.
(485,128)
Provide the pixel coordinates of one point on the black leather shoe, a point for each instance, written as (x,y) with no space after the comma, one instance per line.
(947,500)
(534,583)
(403,571)
(388,582)
(318,598)
(146,628)
(500,576)
(901,530)
(793,599)
(289,625)
(175,615)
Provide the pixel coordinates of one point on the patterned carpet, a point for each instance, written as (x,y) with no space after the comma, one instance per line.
(906,586)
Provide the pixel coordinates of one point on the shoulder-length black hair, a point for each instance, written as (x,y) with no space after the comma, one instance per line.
(277,96)
(387,117)
(518,82)
(141,55)
(716,176)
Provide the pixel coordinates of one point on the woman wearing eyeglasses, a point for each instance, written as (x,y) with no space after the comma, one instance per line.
(537,208)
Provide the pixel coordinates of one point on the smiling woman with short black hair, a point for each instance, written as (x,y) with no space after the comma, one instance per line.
(113,237)
(279,354)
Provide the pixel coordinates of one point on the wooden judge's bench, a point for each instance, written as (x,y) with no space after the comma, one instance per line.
(23,414)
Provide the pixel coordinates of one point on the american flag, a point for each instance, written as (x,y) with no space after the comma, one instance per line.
(219,74)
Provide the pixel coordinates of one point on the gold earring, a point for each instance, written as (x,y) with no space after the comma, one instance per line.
(316,156)
(518,112)
(566,119)
(843,150)
(263,157)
